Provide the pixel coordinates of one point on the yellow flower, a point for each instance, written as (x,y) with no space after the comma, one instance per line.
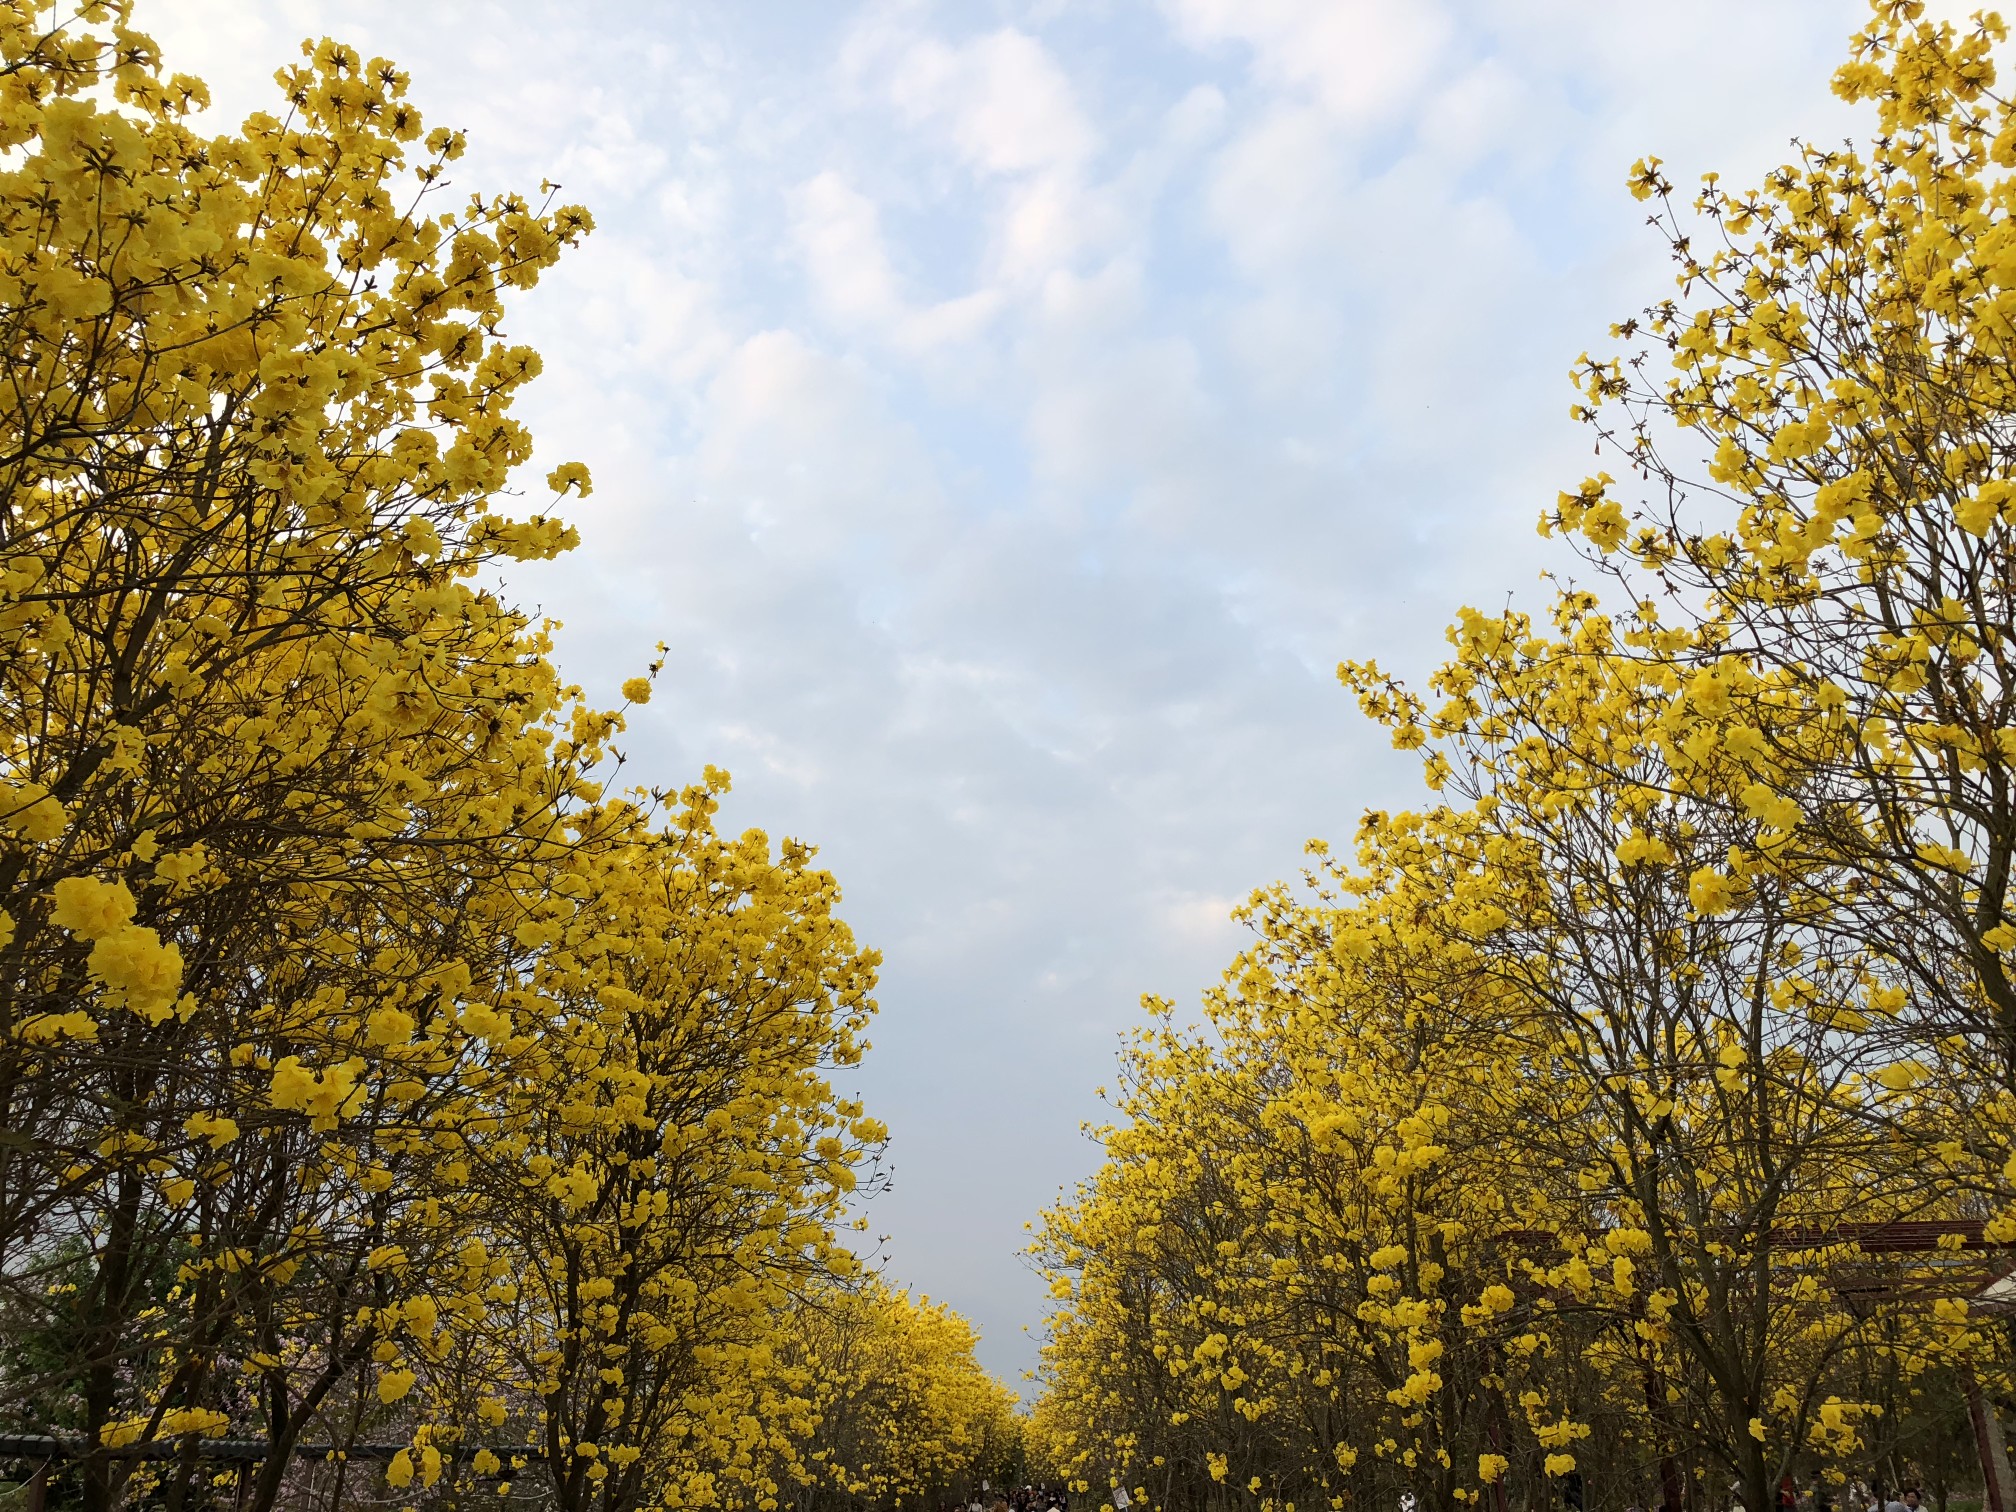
(90,908)
(218,1130)
(28,810)
(1976,515)
(45,1028)
(1711,892)
(389,1026)
(1605,525)
(325,1096)
(570,475)
(393,1385)
(136,967)
(292,1083)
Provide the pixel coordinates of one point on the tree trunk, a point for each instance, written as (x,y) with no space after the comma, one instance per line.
(1759,1495)
(100,1474)
(1992,1446)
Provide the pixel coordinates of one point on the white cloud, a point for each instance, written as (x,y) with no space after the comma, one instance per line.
(1008,106)
(1274,190)
(1132,416)
(1360,59)
(798,444)
(1196,119)
(839,233)
(1001,106)
(1486,109)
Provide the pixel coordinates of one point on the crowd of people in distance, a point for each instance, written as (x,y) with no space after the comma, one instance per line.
(1019,1499)
(1857,1495)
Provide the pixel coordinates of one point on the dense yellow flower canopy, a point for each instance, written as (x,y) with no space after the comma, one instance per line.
(1634,1121)
(370,1073)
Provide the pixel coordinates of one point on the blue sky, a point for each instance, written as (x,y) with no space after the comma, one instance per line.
(1010,412)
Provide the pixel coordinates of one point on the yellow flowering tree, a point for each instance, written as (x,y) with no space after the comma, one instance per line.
(1704,932)
(368,1077)
(1538,1145)
(897,1411)
(262,741)
(1293,1282)
(675,1166)
(1684,971)
(1838,355)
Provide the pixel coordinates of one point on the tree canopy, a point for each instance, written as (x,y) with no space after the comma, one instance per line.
(1632,1120)
(376,1073)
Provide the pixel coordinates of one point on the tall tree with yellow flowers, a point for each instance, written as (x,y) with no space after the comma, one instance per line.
(676,1173)
(367,1075)
(1656,941)
(897,1411)
(1718,874)
(1838,354)
(264,748)
(1289,1283)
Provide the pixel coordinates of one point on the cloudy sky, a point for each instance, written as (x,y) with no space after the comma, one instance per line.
(1010,411)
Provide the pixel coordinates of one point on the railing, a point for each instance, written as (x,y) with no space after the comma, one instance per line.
(50,1449)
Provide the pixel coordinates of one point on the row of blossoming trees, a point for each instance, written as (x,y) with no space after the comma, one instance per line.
(373,1077)
(1633,1123)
